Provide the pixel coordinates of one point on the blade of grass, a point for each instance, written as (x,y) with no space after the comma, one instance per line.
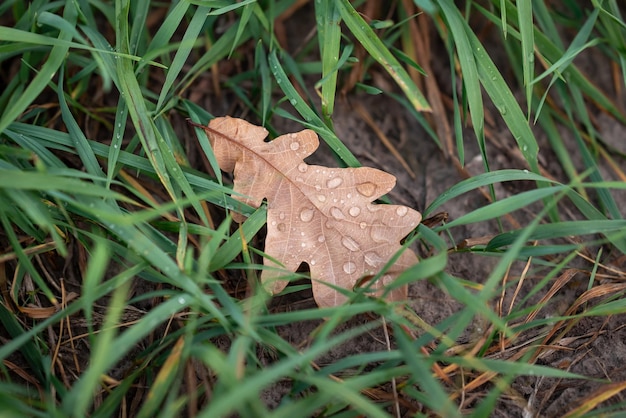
(437,400)
(481,180)
(505,101)
(121,116)
(503,206)
(83,149)
(311,118)
(29,349)
(561,229)
(525,18)
(55,59)
(468,62)
(187,44)
(266,83)
(329,38)
(366,36)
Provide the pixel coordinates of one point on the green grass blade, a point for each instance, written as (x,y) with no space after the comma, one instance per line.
(468,61)
(83,149)
(503,206)
(311,118)
(526,27)
(366,36)
(55,59)
(29,350)
(266,82)
(163,36)
(505,101)
(481,180)
(329,37)
(244,20)
(187,44)
(561,229)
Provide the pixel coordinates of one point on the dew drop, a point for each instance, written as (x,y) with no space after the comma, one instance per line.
(302,167)
(303,245)
(282,215)
(318,187)
(350,243)
(306,215)
(336,213)
(299,179)
(281,227)
(312,262)
(321,197)
(321,238)
(334,182)
(349,267)
(349,195)
(373,208)
(401,210)
(379,233)
(362,225)
(366,189)
(181,300)
(373,259)
(294,145)
(293,102)
(354,211)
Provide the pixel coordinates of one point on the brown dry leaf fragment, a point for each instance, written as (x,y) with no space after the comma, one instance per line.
(318,215)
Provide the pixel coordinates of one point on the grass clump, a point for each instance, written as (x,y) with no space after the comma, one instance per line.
(126,290)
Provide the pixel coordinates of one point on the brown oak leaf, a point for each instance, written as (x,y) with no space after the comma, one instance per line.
(319,215)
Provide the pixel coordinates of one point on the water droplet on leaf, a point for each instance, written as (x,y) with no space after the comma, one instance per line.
(335,182)
(366,189)
(401,210)
(373,259)
(337,213)
(350,243)
(349,267)
(306,215)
